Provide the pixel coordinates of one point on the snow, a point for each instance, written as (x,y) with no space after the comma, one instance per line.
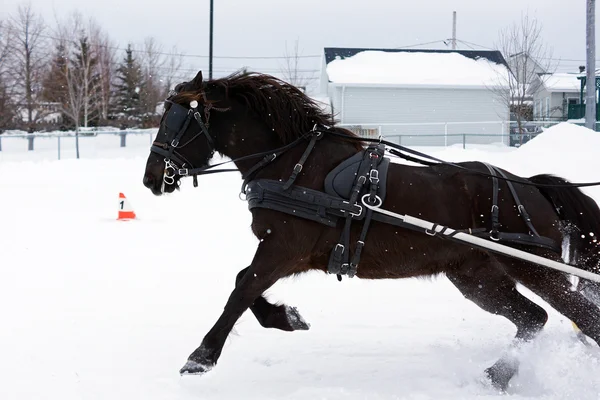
(96,308)
(408,68)
(563,82)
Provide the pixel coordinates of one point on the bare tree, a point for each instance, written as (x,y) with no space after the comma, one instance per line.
(6,104)
(292,73)
(105,51)
(70,35)
(27,58)
(530,62)
(152,61)
(171,69)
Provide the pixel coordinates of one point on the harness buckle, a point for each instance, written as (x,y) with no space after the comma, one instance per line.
(183,171)
(297,168)
(360,209)
(175,142)
(374,176)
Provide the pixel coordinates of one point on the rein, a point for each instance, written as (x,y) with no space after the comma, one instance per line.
(177,165)
(396,150)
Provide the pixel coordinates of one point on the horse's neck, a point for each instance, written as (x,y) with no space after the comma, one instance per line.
(326,154)
(257,138)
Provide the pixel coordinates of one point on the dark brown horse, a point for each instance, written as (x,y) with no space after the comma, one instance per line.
(249,117)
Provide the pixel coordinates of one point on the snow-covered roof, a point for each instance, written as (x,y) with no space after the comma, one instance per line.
(562,82)
(415,68)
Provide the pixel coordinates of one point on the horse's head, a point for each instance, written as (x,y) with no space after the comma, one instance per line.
(183,141)
(240,116)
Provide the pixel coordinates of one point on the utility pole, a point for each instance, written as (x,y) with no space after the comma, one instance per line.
(453,30)
(210,46)
(590,95)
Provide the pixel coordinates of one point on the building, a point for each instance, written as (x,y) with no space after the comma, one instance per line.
(554,94)
(418,97)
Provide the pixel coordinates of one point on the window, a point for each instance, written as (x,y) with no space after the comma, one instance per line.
(572,100)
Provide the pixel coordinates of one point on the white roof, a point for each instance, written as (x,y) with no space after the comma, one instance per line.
(562,82)
(415,68)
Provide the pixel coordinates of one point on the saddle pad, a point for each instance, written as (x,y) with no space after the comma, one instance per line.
(340,180)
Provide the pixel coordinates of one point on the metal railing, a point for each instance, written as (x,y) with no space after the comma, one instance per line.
(63,143)
(58,145)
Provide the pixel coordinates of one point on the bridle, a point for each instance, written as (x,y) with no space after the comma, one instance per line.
(177,121)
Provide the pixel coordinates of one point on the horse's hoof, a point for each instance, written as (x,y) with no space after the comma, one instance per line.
(195,368)
(297,323)
(499,377)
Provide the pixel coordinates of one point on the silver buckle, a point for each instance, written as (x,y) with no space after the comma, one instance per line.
(374,176)
(351,213)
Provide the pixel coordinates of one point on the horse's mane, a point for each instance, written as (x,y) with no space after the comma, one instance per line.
(285,108)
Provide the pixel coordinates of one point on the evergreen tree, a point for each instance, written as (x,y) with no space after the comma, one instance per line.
(129,86)
(55,86)
(7,108)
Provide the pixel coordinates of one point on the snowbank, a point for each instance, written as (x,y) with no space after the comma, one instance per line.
(444,69)
(562,140)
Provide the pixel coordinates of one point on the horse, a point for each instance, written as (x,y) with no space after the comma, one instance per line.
(249,116)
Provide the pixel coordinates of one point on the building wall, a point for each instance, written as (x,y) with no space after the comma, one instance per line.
(428,109)
(552,105)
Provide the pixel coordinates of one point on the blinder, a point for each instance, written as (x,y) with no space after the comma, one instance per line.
(176,123)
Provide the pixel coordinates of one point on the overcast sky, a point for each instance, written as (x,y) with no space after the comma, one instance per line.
(263,27)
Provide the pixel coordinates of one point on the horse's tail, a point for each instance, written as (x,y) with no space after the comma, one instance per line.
(580,218)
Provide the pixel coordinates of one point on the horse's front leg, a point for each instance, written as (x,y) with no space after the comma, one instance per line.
(268,266)
(284,317)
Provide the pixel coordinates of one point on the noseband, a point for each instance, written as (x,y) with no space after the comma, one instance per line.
(177,122)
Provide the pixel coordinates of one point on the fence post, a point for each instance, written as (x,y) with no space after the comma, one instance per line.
(58,147)
(446,134)
(30,138)
(123,139)
(464,141)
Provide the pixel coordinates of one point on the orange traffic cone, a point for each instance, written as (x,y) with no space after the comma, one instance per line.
(125,210)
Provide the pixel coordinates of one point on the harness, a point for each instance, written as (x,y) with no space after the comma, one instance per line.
(353,189)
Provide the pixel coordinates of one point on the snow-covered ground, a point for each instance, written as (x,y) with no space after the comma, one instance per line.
(94,308)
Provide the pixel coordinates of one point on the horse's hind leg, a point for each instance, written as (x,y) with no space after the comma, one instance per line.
(485,284)
(555,288)
(269,315)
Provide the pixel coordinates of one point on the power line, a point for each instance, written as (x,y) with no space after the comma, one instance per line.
(189,55)
(420,44)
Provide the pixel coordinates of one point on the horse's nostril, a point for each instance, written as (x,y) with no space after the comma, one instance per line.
(148,181)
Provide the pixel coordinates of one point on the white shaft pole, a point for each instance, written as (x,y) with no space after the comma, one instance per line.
(494,246)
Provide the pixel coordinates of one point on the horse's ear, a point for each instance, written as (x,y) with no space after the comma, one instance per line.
(197,81)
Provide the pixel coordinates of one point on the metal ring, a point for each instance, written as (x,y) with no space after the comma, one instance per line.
(169,180)
(378,201)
